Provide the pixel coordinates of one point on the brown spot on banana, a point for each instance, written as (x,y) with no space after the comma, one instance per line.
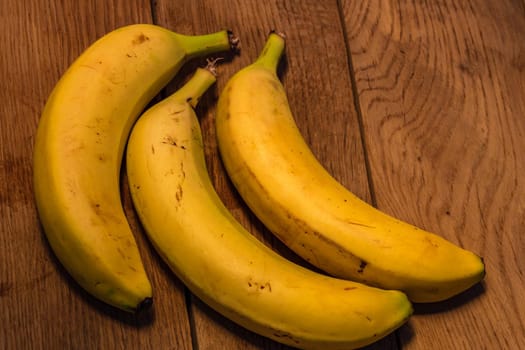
(171,141)
(121,253)
(358,224)
(366,317)
(362,266)
(175,112)
(96,208)
(259,287)
(431,242)
(281,334)
(179,193)
(182,172)
(102,215)
(139,39)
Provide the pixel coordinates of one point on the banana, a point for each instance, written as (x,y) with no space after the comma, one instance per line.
(283,183)
(220,261)
(79,147)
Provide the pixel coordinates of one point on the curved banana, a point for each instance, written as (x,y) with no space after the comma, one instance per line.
(79,148)
(280,179)
(221,262)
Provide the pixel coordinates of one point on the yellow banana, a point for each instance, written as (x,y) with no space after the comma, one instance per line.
(221,262)
(280,179)
(79,148)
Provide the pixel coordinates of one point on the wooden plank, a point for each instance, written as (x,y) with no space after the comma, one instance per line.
(440,87)
(316,76)
(440,90)
(42,308)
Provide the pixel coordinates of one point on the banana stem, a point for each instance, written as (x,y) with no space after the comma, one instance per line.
(202,45)
(272,51)
(198,84)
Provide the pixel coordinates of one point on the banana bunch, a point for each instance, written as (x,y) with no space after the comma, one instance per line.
(222,263)
(378,264)
(79,147)
(283,183)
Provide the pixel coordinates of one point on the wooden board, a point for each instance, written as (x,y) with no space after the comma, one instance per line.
(440,88)
(417,107)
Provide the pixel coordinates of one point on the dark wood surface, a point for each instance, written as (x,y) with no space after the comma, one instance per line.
(416,106)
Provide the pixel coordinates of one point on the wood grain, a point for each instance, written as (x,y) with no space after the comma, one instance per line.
(440,87)
(416,106)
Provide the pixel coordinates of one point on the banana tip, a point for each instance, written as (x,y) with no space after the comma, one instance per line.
(279,33)
(144,305)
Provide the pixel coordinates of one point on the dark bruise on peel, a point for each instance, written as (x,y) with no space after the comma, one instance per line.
(366,317)
(362,266)
(182,172)
(260,286)
(141,38)
(96,208)
(282,334)
(266,285)
(171,141)
(179,193)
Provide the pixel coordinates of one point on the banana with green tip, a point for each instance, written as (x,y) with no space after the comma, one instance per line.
(221,262)
(283,183)
(79,147)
